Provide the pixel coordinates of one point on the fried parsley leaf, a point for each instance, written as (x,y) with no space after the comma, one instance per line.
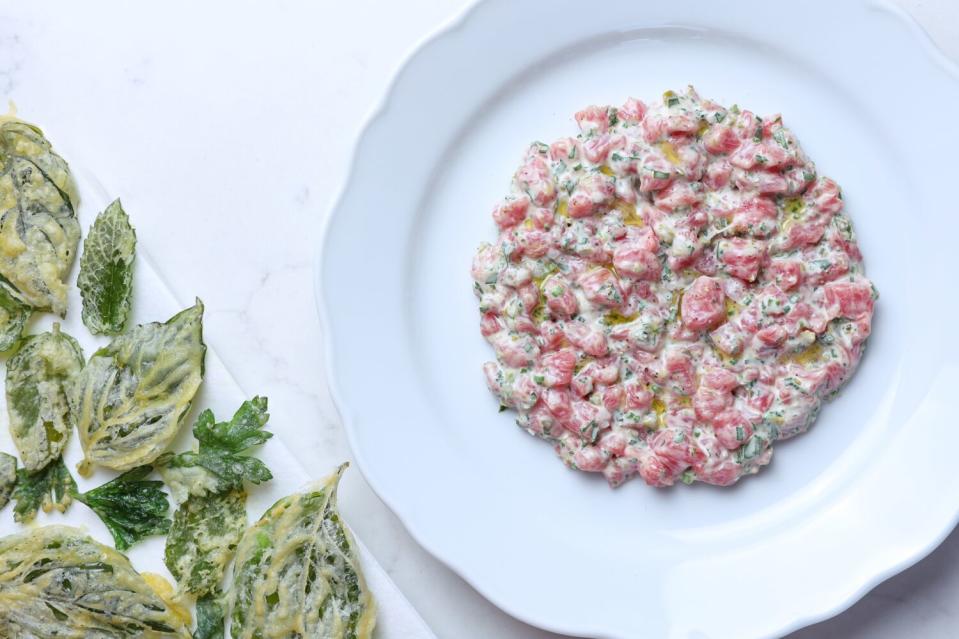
(51,487)
(131,506)
(218,465)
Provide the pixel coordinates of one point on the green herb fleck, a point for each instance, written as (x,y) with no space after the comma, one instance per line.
(780,137)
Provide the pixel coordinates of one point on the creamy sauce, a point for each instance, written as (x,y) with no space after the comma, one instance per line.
(671,291)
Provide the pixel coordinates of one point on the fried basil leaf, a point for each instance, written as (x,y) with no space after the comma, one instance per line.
(297,573)
(210,617)
(106,271)
(217,466)
(8,477)
(13,317)
(55,581)
(202,539)
(132,395)
(49,488)
(131,506)
(39,231)
(39,378)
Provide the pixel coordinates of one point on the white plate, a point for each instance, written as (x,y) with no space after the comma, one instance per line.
(868,491)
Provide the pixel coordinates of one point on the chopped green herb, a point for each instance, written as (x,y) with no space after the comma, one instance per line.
(780,137)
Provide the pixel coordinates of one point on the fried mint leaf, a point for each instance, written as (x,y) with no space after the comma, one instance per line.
(202,539)
(297,573)
(106,271)
(51,487)
(218,466)
(133,394)
(8,477)
(131,506)
(39,377)
(39,231)
(55,581)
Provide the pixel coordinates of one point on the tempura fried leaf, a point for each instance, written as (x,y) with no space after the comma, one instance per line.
(50,488)
(8,477)
(203,538)
(218,465)
(131,506)
(13,318)
(297,573)
(132,396)
(39,231)
(39,378)
(55,581)
(210,617)
(106,271)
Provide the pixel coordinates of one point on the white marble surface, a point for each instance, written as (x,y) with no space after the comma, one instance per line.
(225,127)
